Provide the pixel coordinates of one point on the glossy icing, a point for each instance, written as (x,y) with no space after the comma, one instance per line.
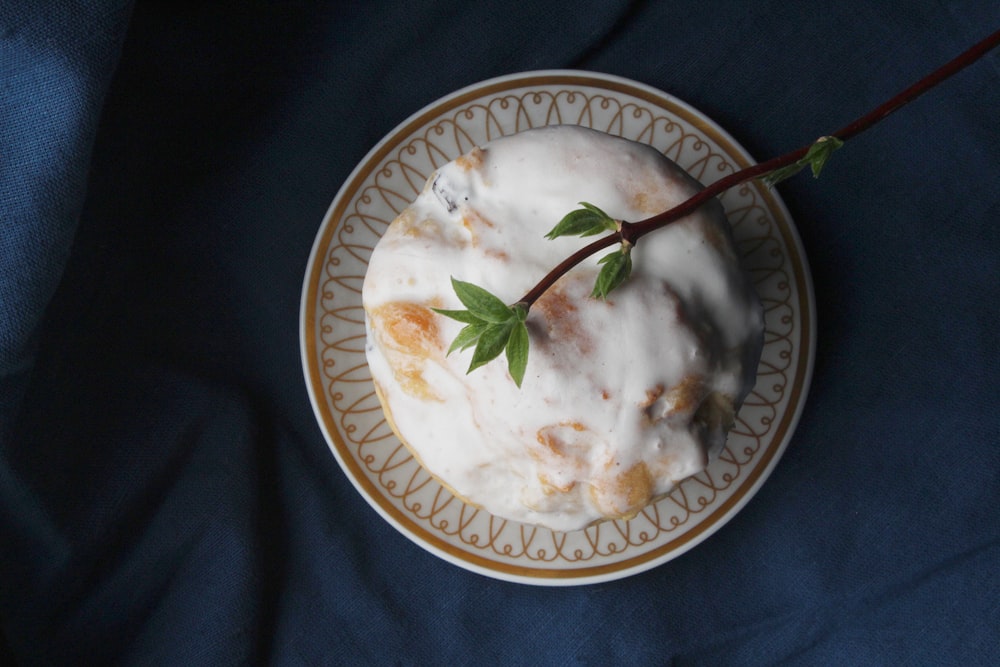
(621,399)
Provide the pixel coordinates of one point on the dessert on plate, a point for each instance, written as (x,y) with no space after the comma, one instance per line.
(623,397)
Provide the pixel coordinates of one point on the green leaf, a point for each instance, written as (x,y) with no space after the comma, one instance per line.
(617,268)
(460,315)
(491,343)
(492,327)
(772,178)
(481,303)
(468,336)
(585,221)
(815,158)
(517,352)
(820,152)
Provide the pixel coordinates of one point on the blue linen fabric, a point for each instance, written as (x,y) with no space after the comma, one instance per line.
(166,496)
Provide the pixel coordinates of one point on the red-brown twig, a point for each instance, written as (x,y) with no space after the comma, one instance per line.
(632,231)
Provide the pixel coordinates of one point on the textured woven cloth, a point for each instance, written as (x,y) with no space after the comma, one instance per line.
(166,496)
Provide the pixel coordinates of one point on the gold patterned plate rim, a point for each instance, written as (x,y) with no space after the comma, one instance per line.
(332,331)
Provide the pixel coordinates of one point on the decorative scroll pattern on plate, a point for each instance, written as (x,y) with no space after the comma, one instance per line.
(403,485)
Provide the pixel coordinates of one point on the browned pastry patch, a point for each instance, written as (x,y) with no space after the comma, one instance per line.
(563,445)
(649,201)
(622,495)
(646,194)
(474,221)
(561,320)
(686,395)
(652,395)
(471,160)
(411,336)
(550,436)
(681,399)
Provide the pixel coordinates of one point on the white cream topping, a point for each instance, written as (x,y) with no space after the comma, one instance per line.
(617,394)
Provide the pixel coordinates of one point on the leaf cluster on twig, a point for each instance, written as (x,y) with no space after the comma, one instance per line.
(493,327)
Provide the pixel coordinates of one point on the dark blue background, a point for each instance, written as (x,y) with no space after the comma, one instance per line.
(166,496)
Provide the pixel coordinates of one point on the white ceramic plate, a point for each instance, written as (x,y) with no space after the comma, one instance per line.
(343,396)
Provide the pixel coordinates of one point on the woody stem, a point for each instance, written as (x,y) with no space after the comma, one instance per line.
(630,232)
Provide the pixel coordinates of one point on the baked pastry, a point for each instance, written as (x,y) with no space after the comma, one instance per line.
(622,398)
